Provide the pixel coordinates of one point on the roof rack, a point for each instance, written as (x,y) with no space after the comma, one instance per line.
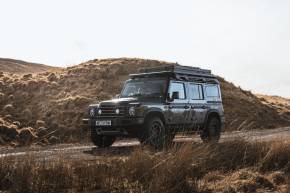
(175,69)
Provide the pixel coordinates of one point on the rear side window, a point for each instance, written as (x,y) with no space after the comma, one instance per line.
(177,87)
(212,92)
(196,92)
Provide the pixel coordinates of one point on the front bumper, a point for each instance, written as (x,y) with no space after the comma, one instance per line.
(116,121)
(119,125)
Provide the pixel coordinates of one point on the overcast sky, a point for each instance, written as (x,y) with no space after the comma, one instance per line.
(245,41)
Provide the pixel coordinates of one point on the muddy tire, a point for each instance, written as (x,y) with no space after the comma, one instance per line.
(102,140)
(155,134)
(212,130)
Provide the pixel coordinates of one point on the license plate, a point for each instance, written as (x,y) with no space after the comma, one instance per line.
(104,123)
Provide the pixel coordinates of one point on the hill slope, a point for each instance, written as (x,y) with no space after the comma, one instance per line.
(281,104)
(21,67)
(56,102)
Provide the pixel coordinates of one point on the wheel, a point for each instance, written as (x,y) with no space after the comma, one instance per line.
(102,140)
(155,134)
(212,130)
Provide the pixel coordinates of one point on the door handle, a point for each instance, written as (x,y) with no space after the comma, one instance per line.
(186,106)
(203,106)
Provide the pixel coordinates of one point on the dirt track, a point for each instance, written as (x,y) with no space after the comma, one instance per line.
(123,148)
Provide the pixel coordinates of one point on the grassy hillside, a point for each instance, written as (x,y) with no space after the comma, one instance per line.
(55,102)
(22,67)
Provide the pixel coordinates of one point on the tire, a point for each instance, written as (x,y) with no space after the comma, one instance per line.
(155,134)
(212,130)
(102,140)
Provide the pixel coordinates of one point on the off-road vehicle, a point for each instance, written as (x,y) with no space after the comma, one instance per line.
(159,102)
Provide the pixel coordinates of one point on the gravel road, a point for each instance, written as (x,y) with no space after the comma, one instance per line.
(123,148)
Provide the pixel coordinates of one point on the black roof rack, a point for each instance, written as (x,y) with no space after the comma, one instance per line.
(176,70)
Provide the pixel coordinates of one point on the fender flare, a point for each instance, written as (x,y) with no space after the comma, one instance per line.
(154,111)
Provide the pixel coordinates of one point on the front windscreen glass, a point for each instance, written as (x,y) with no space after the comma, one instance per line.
(144,88)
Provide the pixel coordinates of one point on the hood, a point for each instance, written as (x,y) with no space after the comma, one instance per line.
(119,101)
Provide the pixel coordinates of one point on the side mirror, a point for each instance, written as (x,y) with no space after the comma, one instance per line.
(175,95)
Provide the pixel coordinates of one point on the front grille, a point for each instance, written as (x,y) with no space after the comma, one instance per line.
(110,111)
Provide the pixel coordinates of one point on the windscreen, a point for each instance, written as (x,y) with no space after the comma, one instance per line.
(144,88)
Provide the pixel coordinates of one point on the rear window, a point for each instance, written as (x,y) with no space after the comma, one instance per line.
(212,92)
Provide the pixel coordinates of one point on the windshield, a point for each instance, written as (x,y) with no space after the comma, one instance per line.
(144,88)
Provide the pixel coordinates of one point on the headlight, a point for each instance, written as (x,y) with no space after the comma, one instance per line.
(92,112)
(132,111)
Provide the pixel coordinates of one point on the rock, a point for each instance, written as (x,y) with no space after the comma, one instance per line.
(27,136)
(53,140)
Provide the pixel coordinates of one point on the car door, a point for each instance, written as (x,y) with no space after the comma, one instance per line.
(198,105)
(179,108)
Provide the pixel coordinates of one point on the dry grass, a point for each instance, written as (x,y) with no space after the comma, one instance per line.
(234,166)
(60,99)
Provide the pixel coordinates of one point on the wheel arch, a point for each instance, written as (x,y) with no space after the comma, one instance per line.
(155,113)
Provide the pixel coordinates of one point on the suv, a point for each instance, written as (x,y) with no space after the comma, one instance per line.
(159,102)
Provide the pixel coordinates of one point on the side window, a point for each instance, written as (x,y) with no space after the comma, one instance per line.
(196,92)
(212,92)
(177,87)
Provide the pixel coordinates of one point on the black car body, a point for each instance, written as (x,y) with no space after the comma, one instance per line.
(171,98)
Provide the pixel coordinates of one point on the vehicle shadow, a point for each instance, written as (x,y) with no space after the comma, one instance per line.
(112,151)
(127,150)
